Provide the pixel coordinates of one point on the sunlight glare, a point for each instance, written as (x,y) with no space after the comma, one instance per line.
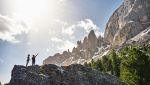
(34,8)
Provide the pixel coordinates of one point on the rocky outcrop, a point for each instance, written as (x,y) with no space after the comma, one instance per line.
(142,39)
(84,51)
(132,17)
(65,75)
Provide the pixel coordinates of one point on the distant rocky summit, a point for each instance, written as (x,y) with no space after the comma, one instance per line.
(65,75)
(132,17)
(84,51)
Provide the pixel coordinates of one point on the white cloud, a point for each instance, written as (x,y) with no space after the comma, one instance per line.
(10,28)
(55,39)
(29,43)
(86,25)
(98,33)
(61,22)
(62,45)
(47,50)
(62,0)
(66,45)
(69,30)
(65,35)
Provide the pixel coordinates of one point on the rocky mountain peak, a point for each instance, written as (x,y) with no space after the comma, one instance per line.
(85,40)
(92,40)
(92,36)
(91,33)
(65,75)
(85,50)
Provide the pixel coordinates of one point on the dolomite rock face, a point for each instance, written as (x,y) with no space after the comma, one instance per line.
(132,17)
(84,51)
(142,39)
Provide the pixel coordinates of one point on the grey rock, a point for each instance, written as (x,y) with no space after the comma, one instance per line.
(6,84)
(142,39)
(50,74)
(132,17)
(84,51)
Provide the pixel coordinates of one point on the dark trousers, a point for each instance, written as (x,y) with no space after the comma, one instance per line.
(33,62)
(27,63)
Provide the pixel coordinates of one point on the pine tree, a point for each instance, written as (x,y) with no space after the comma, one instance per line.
(135,67)
(99,65)
(106,63)
(115,62)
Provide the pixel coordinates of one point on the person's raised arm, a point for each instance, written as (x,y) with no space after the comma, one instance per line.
(36,54)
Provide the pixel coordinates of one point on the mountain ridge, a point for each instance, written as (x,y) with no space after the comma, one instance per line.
(85,50)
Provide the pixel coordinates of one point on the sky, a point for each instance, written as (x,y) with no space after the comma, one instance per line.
(47,27)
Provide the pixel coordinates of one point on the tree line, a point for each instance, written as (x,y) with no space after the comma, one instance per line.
(131,64)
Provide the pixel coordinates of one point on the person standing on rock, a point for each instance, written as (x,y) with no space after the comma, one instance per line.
(28,59)
(33,59)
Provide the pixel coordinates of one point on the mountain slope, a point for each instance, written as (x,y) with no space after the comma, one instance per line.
(142,39)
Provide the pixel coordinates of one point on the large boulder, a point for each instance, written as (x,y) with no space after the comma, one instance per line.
(65,75)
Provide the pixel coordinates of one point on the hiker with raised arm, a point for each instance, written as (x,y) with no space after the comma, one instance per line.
(28,59)
(33,59)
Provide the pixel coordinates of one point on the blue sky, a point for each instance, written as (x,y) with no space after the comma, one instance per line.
(47,27)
